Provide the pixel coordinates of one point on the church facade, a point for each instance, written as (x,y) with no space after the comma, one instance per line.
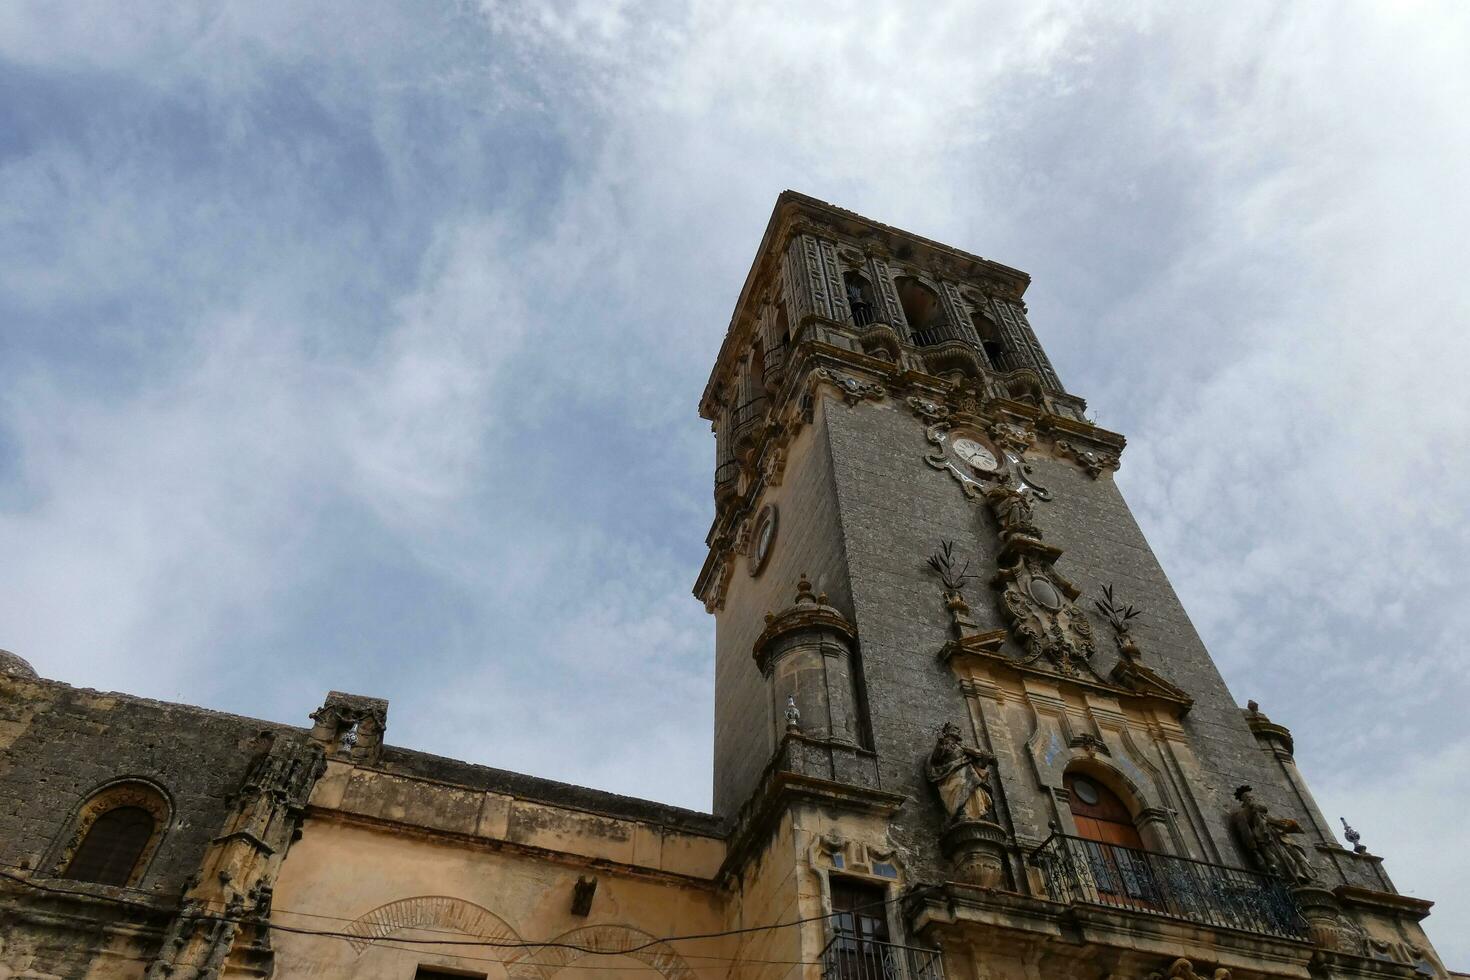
(964,728)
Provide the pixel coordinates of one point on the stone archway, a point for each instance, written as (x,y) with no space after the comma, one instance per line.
(429,912)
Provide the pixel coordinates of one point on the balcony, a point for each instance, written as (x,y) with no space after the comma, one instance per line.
(775,365)
(862,312)
(849,958)
(745,417)
(940,333)
(1079,871)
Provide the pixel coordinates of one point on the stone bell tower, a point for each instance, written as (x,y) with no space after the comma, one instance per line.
(944,645)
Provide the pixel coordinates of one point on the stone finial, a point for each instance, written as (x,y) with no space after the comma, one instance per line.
(1353,837)
(793,714)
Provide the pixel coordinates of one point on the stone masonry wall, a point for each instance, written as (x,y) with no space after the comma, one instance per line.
(58,744)
(894,511)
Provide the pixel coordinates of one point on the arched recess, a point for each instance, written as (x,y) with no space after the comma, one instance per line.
(923,309)
(544,962)
(1136,810)
(114,833)
(860,299)
(429,913)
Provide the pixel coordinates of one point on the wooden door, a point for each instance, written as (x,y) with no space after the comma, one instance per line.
(1120,868)
(860,921)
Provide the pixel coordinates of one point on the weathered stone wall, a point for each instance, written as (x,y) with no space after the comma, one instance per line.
(58,744)
(809,541)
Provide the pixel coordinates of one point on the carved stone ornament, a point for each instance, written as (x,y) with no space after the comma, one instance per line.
(1092,460)
(1090,744)
(1013,510)
(1038,602)
(973,840)
(1120,617)
(351,726)
(927,408)
(1268,841)
(1182,969)
(1014,438)
(853,390)
(961,776)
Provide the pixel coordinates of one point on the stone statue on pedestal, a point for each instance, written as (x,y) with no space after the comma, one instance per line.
(961,776)
(1268,840)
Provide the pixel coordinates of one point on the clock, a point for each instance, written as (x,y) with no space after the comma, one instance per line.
(975,453)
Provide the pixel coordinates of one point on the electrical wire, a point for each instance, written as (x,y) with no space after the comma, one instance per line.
(475,941)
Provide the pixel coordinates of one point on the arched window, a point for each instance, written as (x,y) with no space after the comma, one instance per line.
(111,849)
(114,834)
(924,312)
(859,298)
(989,334)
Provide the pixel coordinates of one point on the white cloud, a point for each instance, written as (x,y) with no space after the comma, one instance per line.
(415,314)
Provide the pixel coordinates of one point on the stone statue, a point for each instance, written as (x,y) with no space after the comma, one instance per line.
(1268,840)
(960,776)
(1012,508)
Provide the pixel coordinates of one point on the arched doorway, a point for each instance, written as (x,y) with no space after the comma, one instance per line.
(1111,843)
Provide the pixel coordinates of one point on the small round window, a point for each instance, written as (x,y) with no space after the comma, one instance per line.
(1086,790)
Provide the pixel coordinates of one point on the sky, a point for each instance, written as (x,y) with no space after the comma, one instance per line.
(359,346)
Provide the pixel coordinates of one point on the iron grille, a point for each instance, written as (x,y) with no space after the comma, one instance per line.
(939,333)
(849,958)
(1094,873)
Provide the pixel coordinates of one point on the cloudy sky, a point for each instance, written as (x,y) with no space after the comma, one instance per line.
(359,346)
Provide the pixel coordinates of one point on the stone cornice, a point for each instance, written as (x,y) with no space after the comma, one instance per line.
(778,791)
(1390,902)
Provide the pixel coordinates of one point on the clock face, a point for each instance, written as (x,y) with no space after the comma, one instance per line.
(975,454)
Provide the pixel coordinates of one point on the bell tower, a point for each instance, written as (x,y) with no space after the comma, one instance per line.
(942,637)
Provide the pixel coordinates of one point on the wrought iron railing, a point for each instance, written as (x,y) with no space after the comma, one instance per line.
(939,333)
(726,474)
(849,958)
(775,364)
(862,312)
(1084,871)
(748,414)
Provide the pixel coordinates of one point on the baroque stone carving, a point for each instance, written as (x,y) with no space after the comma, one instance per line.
(351,725)
(1182,969)
(1120,617)
(1268,840)
(1014,438)
(1090,744)
(973,840)
(961,776)
(927,408)
(1092,460)
(1013,509)
(1047,623)
(853,390)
